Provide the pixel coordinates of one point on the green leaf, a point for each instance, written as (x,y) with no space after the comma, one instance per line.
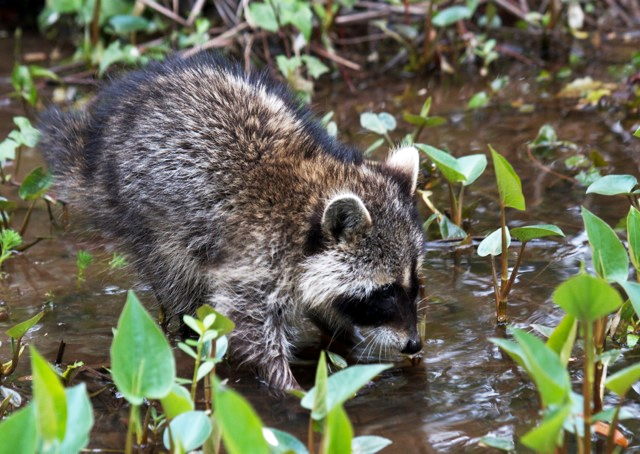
(478,101)
(178,401)
(546,136)
(373,122)
(622,381)
(342,385)
(608,254)
(117,53)
(241,427)
(8,149)
(472,167)
(264,16)
(545,368)
(513,350)
(35,184)
(142,363)
(509,185)
(633,236)
(123,24)
(531,232)
(368,444)
(446,163)
(319,410)
(586,297)
(19,330)
(492,244)
(222,324)
(637,133)
(387,120)
(337,360)
(30,135)
(190,430)
(501,443)
(79,419)
(288,66)
(49,400)
(297,14)
(563,337)
(41,72)
(282,442)
(338,432)
(613,185)
(451,15)
(18,431)
(633,293)
(448,230)
(549,434)
(315,67)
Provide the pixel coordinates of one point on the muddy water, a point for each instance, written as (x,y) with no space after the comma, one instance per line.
(465,387)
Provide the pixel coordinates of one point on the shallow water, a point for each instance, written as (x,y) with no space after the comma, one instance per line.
(465,387)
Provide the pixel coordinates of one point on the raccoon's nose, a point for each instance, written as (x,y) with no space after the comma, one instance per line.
(413,346)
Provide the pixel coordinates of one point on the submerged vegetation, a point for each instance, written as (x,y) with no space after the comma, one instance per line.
(306,41)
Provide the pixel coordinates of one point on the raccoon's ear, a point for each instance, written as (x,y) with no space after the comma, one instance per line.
(344,216)
(406,160)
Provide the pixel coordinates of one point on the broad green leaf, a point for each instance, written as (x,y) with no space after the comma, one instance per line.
(501,443)
(338,432)
(297,14)
(315,67)
(372,122)
(49,400)
(450,231)
(472,167)
(222,324)
(142,363)
(368,444)
(613,185)
(8,149)
(79,419)
(319,410)
(563,337)
(549,434)
(123,24)
(282,442)
(451,15)
(586,297)
(633,236)
(446,163)
(19,330)
(35,184)
(30,135)
(178,401)
(622,381)
(531,232)
(478,101)
(204,369)
(190,429)
(342,385)
(608,254)
(492,244)
(513,350)
(509,185)
(41,72)
(263,16)
(241,427)
(288,66)
(18,431)
(337,360)
(116,53)
(633,293)
(545,369)
(387,120)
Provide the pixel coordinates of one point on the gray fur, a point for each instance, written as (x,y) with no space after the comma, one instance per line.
(225,191)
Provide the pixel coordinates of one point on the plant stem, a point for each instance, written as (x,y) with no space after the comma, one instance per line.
(514,272)
(18,160)
(460,198)
(132,416)
(145,424)
(194,380)
(612,427)
(95,24)
(501,311)
(310,446)
(496,289)
(27,217)
(587,383)
(453,206)
(600,370)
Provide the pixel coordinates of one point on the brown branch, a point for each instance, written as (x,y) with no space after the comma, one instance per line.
(164,11)
(218,41)
(334,57)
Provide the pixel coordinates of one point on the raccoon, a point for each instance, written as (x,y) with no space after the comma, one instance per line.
(225,190)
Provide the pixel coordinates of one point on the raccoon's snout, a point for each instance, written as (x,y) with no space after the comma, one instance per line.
(413,346)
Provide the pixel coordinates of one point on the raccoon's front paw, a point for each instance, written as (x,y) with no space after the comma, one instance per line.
(278,375)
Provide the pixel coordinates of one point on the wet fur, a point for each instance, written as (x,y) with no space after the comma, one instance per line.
(219,184)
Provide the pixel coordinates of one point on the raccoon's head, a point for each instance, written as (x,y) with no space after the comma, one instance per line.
(363,279)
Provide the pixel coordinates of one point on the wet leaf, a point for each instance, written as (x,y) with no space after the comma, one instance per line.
(531,232)
(282,442)
(368,444)
(189,430)
(35,184)
(478,101)
(19,330)
(586,297)
(18,431)
(451,15)
(178,401)
(502,443)
(49,399)
(472,166)
(240,425)
(622,381)
(79,419)
(446,163)
(264,16)
(338,432)
(142,363)
(609,257)
(492,244)
(613,185)
(549,433)
(509,185)
(633,236)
